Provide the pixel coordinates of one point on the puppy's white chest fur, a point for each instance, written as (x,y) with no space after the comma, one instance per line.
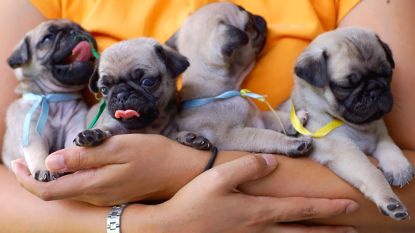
(64,120)
(366,140)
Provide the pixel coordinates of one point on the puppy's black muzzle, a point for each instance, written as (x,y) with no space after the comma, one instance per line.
(69,73)
(128,96)
(368,105)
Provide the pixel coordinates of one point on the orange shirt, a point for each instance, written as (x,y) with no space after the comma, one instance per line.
(292,25)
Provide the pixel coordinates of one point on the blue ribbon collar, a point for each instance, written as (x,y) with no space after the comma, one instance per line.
(192,103)
(42,101)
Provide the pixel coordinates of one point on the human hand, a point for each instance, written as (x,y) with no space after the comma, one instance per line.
(125,168)
(211,203)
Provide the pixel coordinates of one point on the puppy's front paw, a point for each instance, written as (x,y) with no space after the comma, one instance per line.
(194,140)
(45,175)
(303,117)
(299,146)
(397,175)
(90,137)
(394,209)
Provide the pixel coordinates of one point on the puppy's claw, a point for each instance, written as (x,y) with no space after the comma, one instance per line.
(90,138)
(398,178)
(194,140)
(394,209)
(301,146)
(45,176)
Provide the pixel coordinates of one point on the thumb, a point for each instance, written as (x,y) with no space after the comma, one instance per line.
(244,169)
(79,158)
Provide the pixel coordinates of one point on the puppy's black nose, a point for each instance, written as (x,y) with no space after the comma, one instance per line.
(122,96)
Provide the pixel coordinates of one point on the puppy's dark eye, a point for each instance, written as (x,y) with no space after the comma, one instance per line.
(47,38)
(104,90)
(354,78)
(148,82)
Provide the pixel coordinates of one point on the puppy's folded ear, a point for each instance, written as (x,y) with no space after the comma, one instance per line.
(388,52)
(234,38)
(312,67)
(174,61)
(172,41)
(21,54)
(93,80)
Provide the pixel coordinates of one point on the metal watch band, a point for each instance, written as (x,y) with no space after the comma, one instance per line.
(114,219)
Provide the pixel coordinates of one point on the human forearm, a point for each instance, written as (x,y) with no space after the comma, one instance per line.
(23,212)
(302,177)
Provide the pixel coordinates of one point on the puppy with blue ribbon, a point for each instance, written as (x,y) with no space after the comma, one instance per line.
(53,63)
(222,42)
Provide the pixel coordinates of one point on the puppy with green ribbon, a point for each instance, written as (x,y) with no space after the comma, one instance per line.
(53,63)
(222,42)
(137,81)
(343,81)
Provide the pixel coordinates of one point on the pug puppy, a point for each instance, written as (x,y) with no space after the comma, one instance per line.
(55,58)
(346,74)
(222,42)
(137,78)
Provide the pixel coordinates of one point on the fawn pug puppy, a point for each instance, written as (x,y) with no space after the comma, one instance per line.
(222,42)
(345,74)
(137,78)
(53,62)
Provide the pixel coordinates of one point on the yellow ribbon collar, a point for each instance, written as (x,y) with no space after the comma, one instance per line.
(323,131)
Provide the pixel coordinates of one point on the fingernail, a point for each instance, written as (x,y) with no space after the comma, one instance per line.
(270,159)
(55,162)
(351,230)
(352,207)
(14,166)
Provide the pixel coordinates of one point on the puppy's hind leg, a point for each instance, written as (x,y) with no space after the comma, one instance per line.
(263,141)
(345,159)
(194,140)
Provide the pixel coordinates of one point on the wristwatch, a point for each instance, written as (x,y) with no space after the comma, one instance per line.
(114,218)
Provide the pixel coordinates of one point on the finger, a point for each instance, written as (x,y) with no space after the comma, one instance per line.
(242,170)
(296,228)
(292,209)
(79,158)
(68,186)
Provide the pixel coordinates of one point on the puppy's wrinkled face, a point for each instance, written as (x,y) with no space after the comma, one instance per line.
(138,79)
(354,69)
(223,35)
(56,49)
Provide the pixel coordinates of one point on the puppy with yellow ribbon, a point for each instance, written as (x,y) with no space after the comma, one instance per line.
(343,82)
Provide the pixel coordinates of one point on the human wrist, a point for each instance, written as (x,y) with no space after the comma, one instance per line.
(142,218)
(184,163)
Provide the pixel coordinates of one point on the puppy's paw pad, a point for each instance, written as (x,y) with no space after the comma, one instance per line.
(394,209)
(90,138)
(45,176)
(398,177)
(303,117)
(300,146)
(195,141)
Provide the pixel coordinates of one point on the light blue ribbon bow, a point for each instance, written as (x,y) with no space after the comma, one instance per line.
(43,101)
(226,95)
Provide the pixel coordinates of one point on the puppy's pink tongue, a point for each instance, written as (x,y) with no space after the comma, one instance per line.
(81,52)
(126,114)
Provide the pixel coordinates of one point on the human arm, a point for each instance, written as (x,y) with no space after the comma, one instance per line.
(207,204)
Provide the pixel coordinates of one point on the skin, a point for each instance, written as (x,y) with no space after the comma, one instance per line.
(301,172)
